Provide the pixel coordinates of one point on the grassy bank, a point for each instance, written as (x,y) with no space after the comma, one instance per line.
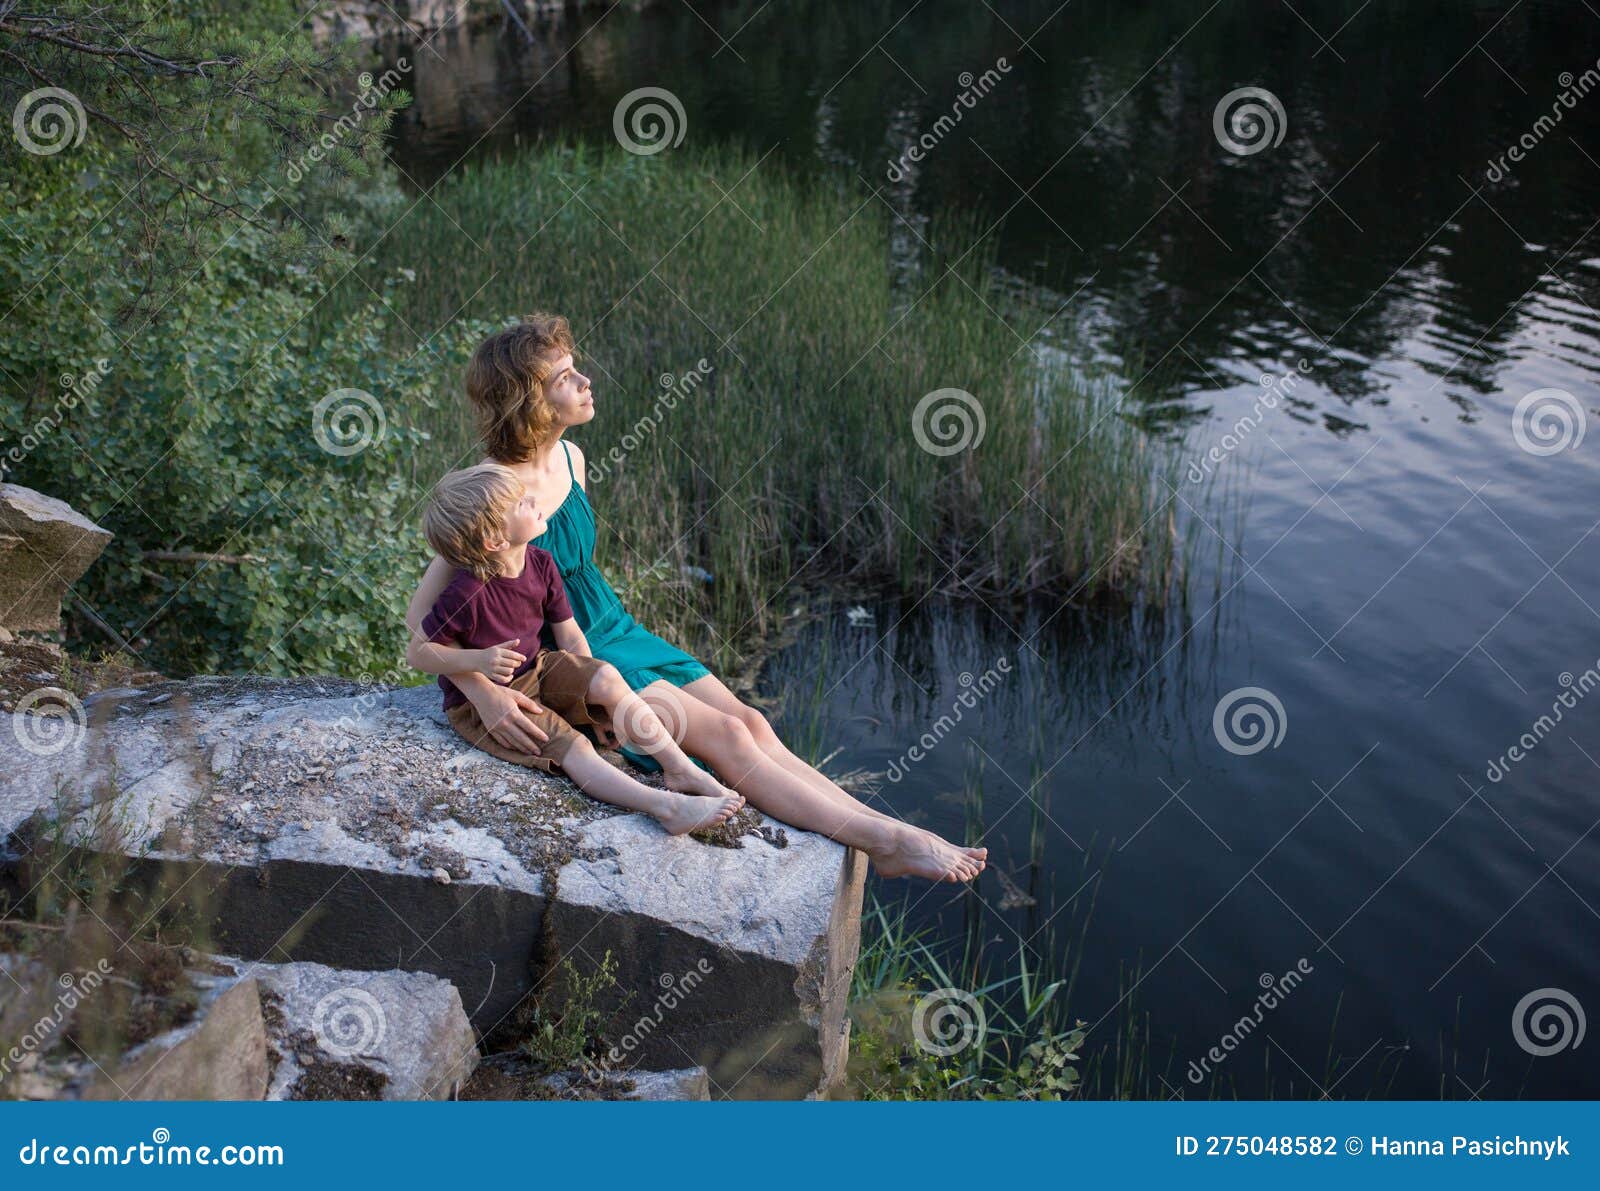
(791,456)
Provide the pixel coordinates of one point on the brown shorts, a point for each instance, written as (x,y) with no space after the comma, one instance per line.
(559,681)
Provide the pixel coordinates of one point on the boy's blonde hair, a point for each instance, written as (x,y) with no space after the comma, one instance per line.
(468,508)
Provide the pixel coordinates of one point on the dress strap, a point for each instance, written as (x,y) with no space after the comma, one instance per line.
(568,450)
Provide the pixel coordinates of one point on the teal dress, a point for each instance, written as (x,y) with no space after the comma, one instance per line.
(614,636)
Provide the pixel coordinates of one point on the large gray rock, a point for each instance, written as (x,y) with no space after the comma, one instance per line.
(45,545)
(382,1035)
(328,823)
(219,1054)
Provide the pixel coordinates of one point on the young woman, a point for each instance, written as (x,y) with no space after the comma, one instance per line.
(527,393)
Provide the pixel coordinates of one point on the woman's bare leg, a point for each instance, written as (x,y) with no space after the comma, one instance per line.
(725,743)
(713,691)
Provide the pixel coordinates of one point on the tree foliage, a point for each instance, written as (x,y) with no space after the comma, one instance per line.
(175,209)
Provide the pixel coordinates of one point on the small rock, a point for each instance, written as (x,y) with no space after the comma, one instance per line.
(345,772)
(246,807)
(441,876)
(223,757)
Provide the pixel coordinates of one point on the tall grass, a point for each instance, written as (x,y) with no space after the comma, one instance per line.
(796,461)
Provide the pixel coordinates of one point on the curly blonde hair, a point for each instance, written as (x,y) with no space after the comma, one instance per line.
(505,384)
(467,510)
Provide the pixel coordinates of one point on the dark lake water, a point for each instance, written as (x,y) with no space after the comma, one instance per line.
(1411,578)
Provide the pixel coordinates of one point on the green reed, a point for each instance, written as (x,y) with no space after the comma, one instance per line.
(795,461)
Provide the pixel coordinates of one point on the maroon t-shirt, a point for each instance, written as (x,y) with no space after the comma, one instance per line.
(475,614)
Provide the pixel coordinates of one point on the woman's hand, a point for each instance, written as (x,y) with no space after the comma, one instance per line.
(498,663)
(504,713)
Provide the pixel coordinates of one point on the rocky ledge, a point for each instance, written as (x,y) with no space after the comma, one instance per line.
(314,822)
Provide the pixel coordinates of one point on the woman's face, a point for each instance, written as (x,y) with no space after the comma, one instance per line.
(567,393)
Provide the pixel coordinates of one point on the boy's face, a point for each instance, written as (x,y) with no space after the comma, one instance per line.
(523,523)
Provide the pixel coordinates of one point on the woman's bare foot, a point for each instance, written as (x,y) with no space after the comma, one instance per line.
(918,853)
(686,813)
(697,781)
(981,855)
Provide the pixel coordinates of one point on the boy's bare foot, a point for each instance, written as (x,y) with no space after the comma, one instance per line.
(686,813)
(697,781)
(918,853)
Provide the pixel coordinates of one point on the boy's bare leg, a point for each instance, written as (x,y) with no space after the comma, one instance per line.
(677,812)
(637,725)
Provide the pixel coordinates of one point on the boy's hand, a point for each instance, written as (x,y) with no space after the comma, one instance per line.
(502,712)
(498,663)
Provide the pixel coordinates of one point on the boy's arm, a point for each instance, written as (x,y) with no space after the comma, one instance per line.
(558,612)
(570,638)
